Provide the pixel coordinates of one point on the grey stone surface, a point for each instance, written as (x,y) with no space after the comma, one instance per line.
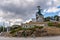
(39,38)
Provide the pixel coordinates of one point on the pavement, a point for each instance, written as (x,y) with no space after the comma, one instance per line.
(38,38)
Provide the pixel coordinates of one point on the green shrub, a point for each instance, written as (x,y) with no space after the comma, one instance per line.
(58,25)
(12,31)
(50,24)
(40,27)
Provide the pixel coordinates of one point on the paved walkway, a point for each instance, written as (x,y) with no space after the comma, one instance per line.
(40,38)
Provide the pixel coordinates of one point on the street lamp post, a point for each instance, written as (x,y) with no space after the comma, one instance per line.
(3,26)
(8,26)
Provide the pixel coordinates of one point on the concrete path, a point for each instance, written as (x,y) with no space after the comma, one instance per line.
(39,38)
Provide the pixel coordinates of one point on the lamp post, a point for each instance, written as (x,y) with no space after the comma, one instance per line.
(3,26)
(9,22)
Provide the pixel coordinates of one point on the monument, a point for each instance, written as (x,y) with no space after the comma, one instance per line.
(39,16)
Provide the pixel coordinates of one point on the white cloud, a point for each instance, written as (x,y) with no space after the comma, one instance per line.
(56,2)
(11,21)
(59,14)
(25,7)
(1,19)
(53,3)
(53,9)
(5,14)
(27,21)
(18,3)
(16,21)
(7,2)
(30,0)
(49,3)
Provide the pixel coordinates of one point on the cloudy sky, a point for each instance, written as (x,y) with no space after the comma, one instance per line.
(17,11)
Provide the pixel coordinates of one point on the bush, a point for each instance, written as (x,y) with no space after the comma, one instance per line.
(40,27)
(12,31)
(58,25)
(50,24)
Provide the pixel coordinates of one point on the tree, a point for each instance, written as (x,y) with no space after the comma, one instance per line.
(47,18)
(50,24)
(3,30)
(15,26)
(56,17)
